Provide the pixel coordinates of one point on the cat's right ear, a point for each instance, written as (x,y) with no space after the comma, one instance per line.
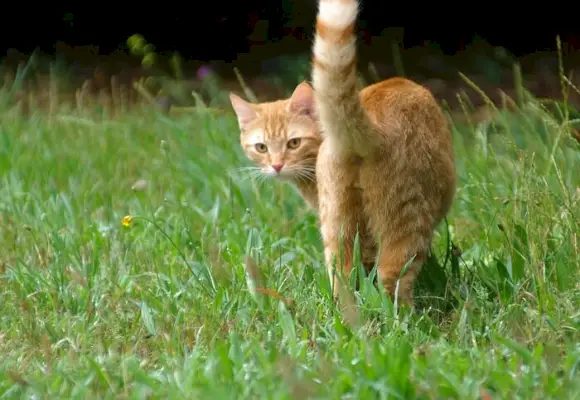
(244,110)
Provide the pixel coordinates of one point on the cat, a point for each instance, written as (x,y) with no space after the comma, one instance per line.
(377,162)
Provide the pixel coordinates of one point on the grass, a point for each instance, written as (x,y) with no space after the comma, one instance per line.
(217,286)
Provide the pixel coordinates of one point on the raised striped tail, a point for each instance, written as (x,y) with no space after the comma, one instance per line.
(334,78)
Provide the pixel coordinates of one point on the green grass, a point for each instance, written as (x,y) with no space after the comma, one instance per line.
(171,307)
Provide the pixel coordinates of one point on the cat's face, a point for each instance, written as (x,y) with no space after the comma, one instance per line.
(281,138)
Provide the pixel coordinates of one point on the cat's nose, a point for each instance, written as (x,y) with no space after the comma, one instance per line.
(277,167)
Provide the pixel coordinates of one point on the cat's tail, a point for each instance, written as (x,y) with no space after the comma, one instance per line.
(334,77)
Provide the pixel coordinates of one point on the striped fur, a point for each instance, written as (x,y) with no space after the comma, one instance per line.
(334,78)
(385,169)
(274,124)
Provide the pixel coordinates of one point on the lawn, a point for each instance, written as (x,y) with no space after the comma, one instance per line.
(215,286)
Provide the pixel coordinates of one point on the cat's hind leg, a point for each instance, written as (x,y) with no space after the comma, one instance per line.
(401,221)
(340,212)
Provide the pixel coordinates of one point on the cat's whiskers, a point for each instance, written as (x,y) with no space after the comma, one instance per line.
(302,172)
(250,172)
(242,170)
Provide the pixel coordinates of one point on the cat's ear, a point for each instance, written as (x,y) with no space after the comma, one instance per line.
(302,100)
(244,110)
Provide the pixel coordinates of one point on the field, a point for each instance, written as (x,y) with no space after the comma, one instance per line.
(139,260)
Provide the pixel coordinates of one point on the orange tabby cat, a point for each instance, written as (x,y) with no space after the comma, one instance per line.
(384,158)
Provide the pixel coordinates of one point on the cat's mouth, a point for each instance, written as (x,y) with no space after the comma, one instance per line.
(281,174)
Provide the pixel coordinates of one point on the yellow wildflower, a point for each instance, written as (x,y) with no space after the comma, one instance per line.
(126,221)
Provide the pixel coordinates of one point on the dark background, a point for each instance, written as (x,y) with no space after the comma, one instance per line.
(214,30)
(269,41)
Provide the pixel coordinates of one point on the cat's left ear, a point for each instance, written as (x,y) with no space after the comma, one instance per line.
(302,100)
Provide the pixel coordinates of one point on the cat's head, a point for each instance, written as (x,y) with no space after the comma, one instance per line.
(281,138)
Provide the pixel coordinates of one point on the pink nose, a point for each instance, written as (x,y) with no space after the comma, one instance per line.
(277,167)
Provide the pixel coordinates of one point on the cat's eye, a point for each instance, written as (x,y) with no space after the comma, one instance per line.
(261,147)
(294,143)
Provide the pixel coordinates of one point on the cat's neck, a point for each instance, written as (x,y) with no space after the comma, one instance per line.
(309,192)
